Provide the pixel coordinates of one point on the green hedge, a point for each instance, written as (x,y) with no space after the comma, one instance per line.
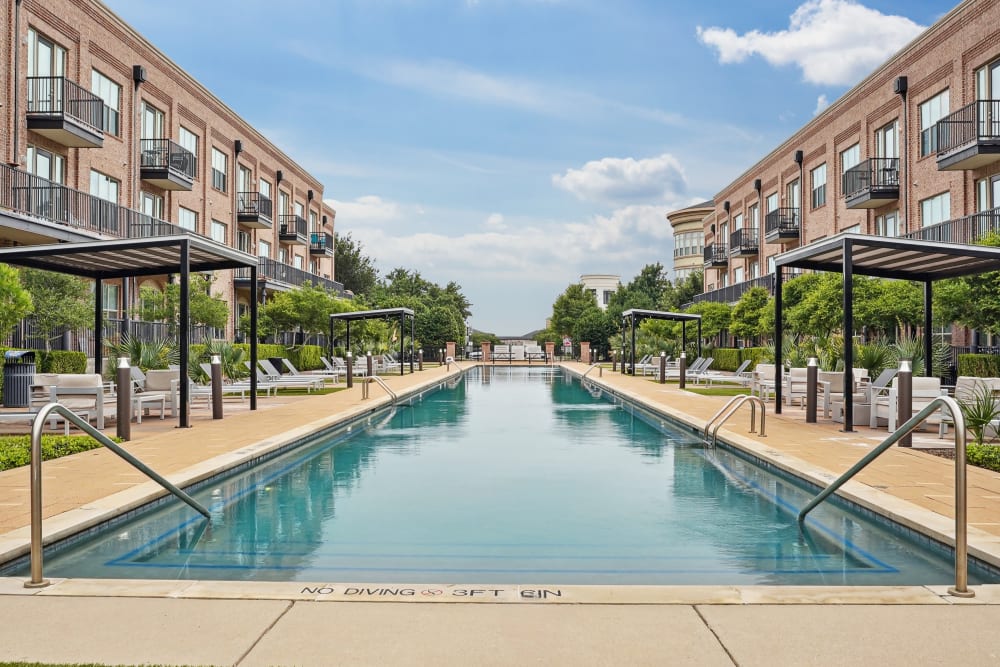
(730,358)
(979,365)
(15,450)
(306,357)
(984,456)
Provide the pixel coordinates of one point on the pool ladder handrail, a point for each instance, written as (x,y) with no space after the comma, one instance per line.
(37,579)
(730,408)
(961,587)
(374,378)
(592,367)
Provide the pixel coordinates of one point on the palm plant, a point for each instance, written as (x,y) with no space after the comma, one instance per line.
(231,357)
(157,353)
(875,357)
(979,410)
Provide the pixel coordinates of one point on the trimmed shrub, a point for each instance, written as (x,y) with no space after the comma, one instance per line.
(15,450)
(62,361)
(984,456)
(754,354)
(306,357)
(979,365)
(726,358)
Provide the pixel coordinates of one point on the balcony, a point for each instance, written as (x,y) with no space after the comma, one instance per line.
(64,112)
(253,210)
(744,242)
(166,165)
(275,275)
(970,137)
(321,244)
(716,255)
(733,293)
(782,226)
(293,229)
(872,183)
(34,197)
(969,230)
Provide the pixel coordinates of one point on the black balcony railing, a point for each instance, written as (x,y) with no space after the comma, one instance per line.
(57,96)
(269,269)
(976,122)
(969,229)
(30,195)
(716,254)
(321,243)
(165,154)
(782,223)
(733,293)
(877,174)
(744,242)
(293,228)
(253,204)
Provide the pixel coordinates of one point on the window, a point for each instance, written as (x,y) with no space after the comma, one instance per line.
(151,205)
(886,144)
(299,209)
(888,224)
(297,261)
(45,57)
(111,93)
(265,189)
(754,271)
(753,217)
(220,232)
(109,304)
(737,275)
(770,264)
(792,195)
(245,180)
(935,209)
(313,267)
(243,241)
(188,140)
(153,122)
(42,163)
(219,170)
(313,222)
(988,193)
(103,186)
(771,202)
(818,177)
(283,255)
(607,296)
(687,244)
(853,229)
(850,158)
(282,203)
(931,112)
(263,249)
(737,222)
(187,219)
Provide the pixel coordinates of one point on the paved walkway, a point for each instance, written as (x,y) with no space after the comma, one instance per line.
(229,623)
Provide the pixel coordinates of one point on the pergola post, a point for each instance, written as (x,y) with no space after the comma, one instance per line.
(183,332)
(849,336)
(411,343)
(253,339)
(928,337)
(778,327)
(632,364)
(99,327)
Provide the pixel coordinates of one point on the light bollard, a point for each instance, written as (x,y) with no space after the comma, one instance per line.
(350,369)
(441,358)
(614,362)
(682,365)
(812,375)
(420,359)
(663,367)
(904,389)
(216,387)
(123,428)
(369,359)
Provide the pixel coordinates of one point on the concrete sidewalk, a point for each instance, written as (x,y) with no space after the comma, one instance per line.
(230,623)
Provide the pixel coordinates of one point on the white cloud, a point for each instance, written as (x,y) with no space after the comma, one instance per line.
(821,104)
(833,42)
(625,179)
(364,209)
(495,222)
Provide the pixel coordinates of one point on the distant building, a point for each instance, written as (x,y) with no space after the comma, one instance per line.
(689,237)
(602,285)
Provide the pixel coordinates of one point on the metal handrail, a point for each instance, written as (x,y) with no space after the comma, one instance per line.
(592,367)
(374,378)
(730,408)
(37,580)
(961,501)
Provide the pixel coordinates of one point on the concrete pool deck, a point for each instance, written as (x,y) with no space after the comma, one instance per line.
(228,623)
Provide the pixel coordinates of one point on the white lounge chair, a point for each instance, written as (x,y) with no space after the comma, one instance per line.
(321,373)
(275,376)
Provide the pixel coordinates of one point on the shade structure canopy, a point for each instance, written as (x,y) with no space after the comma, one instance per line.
(632,317)
(125,258)
(400,314)
(881,257)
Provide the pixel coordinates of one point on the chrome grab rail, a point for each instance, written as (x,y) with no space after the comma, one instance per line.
(960,588)
(730,408)
(37,580)
(592,367)
(374,378)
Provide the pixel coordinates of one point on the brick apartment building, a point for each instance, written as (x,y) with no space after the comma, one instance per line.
(104,136)
(912,151)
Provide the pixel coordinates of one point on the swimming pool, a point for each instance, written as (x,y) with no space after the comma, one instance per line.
(511,475)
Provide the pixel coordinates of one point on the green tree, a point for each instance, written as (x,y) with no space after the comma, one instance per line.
(15,301)
(682,292)
(61,301)
(973,301)
(714,317)
(203,308)
(570,306)
(352,267)
(437,326)
(596,327)
(748,319)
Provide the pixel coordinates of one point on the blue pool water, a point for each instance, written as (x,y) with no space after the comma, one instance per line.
(509,476)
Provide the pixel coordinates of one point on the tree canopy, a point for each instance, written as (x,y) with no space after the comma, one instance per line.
(15,301)
(352,267)
(61,301)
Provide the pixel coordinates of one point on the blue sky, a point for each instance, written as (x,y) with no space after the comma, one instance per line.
(513,145)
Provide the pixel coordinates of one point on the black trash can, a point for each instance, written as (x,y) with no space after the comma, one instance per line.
(18,373)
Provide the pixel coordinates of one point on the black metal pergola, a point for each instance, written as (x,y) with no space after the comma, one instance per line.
(126,258)
(634,316)
(382,314)
(881,257)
